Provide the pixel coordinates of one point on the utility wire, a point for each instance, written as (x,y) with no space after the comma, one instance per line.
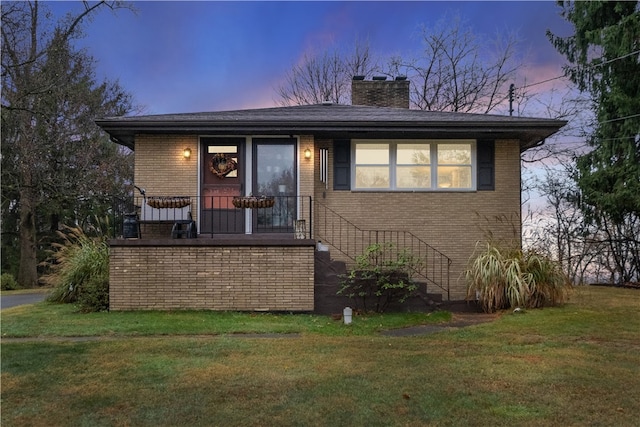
(542,82)
(620,118)
(635,52)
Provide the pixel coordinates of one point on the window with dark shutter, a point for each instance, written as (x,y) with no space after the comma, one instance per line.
(342,164)
(486,165)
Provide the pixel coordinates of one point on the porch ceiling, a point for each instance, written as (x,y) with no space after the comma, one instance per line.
(337,121)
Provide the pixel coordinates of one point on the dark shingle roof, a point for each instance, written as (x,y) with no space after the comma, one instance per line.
(338,121)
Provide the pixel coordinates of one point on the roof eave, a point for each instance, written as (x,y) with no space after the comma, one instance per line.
(123,131)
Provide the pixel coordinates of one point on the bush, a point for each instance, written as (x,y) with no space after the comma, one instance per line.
(501,278)
(382,276)
(8,282)
(94,295)
(80,270)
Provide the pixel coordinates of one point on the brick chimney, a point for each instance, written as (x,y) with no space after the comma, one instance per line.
(380,92)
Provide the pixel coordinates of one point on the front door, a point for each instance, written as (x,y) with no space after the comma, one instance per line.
(222,179)
(274,174)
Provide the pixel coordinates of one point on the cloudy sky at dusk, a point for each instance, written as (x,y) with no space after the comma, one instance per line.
(205,56)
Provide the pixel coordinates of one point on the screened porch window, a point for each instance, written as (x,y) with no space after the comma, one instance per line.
(413,165)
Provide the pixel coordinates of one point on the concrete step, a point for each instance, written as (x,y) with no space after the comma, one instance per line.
(329,274)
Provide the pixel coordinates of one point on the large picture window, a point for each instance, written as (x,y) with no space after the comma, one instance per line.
(413,165)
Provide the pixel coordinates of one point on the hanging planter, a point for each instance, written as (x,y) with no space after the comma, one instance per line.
(222,165)
(168,202)
(252,202)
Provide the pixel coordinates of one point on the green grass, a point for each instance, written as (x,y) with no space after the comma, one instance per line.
(63,320)
(570,366)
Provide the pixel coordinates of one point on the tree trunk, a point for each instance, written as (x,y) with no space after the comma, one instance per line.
(28,269)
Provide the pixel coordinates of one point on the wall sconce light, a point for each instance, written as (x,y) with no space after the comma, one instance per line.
(307,154)
(186,153)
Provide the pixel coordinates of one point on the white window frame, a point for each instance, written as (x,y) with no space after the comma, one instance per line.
(393,143)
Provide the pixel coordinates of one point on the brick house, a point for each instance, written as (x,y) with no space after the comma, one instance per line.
(335,178)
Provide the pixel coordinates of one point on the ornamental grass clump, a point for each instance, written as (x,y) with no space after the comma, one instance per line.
(501,278)
(79,270)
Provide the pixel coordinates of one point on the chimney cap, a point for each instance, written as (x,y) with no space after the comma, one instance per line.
(358,77)
(401,78)
(381,78)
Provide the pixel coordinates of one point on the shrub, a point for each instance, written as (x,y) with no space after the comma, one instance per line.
(80,270)
(95,295)
(8,282)
(503,278)
(382,276)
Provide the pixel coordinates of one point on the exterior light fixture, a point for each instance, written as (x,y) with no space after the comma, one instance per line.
(186,153)
(307,154)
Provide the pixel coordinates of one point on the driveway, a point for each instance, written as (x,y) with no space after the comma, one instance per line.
(8,301)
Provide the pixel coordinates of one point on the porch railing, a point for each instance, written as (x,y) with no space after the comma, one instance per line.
(218,215)
(350,240)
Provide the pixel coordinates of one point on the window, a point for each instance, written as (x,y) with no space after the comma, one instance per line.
(414,165)
(226,150)
(372,166)
(454,166)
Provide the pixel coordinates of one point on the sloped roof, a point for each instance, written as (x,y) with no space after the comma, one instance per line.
(336,121)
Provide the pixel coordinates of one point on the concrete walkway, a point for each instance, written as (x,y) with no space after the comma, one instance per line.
(8,301)
(459,320)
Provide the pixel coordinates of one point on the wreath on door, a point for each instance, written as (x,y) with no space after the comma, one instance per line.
(222,165)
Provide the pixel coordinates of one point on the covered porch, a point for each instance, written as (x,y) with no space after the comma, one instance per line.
(170,216)
(213,253)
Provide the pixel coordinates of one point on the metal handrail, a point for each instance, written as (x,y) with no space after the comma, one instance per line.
(352,241)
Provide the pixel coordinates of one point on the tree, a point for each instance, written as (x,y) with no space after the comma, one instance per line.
(562,233)
(55,161)
(458,70)
(326,77)
(603,55)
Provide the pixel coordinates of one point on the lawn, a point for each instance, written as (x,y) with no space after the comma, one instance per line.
(574,365)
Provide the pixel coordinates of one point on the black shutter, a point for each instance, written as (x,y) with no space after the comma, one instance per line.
(486,150)
(342,164)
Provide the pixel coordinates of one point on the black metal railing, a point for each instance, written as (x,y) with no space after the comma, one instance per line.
(224,214)
(333,229)
(120,209)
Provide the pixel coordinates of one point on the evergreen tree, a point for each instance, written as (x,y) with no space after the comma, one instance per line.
(604,57)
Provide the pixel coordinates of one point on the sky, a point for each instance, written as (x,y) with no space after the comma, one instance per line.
(180,57)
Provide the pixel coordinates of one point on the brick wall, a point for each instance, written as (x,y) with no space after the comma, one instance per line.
(166,275)
(160,167)
(452,222)
(306,175)
(162,170)
(380,93)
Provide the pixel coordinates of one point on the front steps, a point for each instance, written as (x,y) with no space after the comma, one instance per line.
(328,272)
